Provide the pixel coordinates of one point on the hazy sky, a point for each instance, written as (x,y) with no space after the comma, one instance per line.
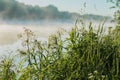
(100,7)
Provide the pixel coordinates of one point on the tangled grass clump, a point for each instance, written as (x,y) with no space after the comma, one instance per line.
(84,54)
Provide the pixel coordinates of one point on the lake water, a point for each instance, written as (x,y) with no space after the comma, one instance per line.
(9,41)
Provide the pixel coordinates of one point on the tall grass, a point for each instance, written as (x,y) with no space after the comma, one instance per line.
(80,54)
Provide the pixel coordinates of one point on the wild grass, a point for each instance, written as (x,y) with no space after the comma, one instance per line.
(80,54)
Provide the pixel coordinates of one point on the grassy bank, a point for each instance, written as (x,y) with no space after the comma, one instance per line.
(80,54)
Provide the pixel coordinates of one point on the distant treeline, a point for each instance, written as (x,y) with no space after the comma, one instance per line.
(14,10)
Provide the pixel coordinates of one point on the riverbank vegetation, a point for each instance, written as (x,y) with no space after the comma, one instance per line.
(83,53)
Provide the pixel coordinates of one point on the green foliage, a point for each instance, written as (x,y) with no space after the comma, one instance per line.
(7,69)
(14,10)
(116,5)
(80,54)
(115,2)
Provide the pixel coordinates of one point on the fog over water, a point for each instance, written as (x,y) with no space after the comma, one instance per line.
(8,33)
(10,42)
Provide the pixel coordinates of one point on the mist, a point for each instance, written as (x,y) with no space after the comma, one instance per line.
(9,31)
(43,21)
